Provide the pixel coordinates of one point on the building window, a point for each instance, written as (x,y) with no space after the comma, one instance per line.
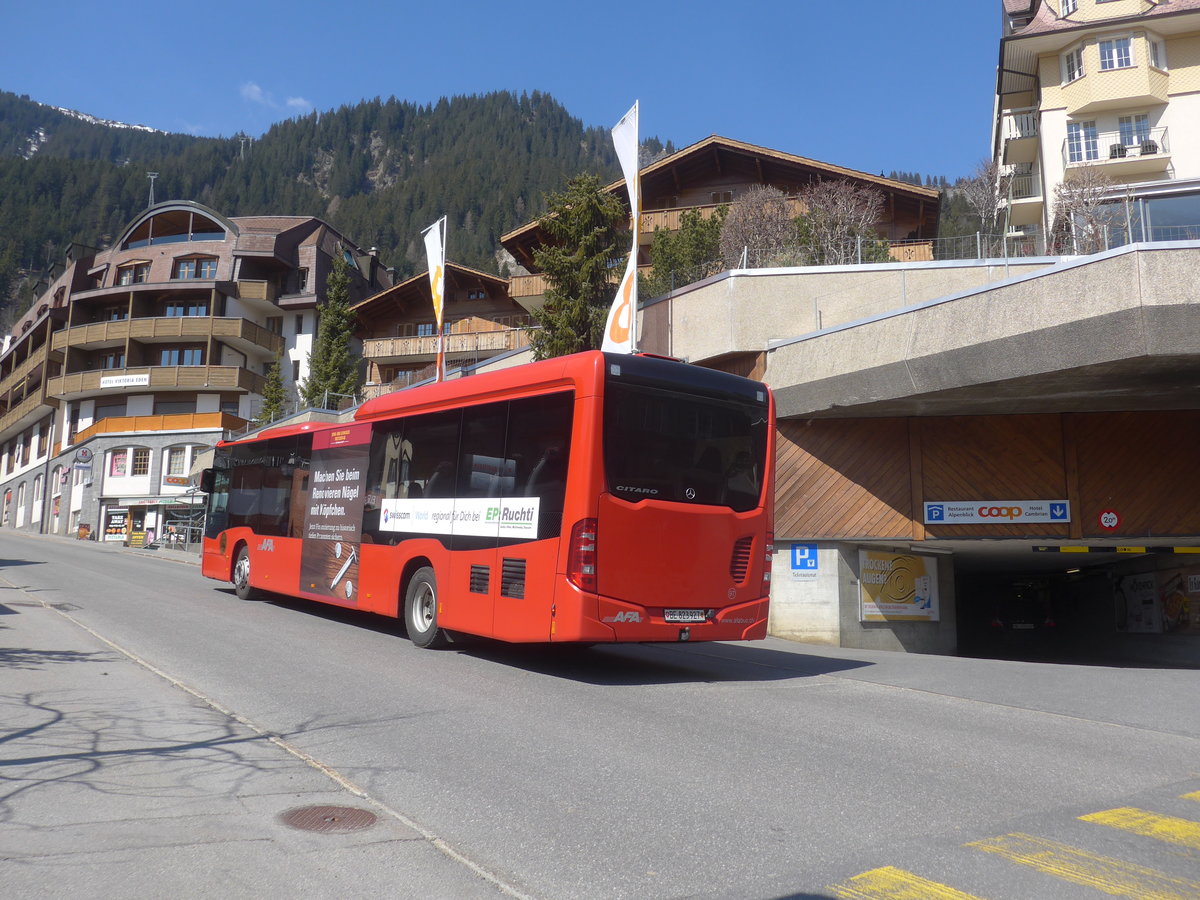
(301,280)
(56,481)
(141,461)
(107,410)
(1134,129)
(275,324)
(427,329)
(37,489)
(1081,142)
(174,407)
(118,463)
(1073,65)
(195,268)
(299,323)
(136,273)
(179,308)
(1158,54)
(114,314)
(113,360)
(295,370)
(722,196)
(1069,6)
(1116,54)
(181,356)
(177,461)
(476,295)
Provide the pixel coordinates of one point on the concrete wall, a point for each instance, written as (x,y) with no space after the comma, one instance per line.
(743,310)
(821,605)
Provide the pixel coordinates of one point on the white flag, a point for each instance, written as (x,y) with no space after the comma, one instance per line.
(435,253)
(619,330)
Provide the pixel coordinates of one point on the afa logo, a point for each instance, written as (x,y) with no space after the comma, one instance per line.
(624,617)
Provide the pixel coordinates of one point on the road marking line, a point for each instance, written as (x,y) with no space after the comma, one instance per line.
(1195,795)
(1112,876)
(890,883)
(1173,830)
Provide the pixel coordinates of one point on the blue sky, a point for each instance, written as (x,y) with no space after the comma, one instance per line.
(874,85)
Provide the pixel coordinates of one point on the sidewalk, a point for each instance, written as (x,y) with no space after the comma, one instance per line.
(115,783)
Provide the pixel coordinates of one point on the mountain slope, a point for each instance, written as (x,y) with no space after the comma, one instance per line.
(380,170)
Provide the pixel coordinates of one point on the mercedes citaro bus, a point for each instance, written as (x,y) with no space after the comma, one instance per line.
(589,498)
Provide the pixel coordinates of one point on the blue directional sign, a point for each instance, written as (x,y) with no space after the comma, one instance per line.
(804,557)
(935,512)
(1059,512)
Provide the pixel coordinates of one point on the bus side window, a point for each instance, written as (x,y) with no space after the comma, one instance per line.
(434,442)
(539,440)
(484,470)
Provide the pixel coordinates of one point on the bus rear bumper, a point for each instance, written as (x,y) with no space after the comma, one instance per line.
(619,621)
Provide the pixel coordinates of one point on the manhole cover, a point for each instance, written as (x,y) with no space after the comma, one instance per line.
(329,818)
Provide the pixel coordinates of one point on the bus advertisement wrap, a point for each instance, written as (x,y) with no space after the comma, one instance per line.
(329,555)
(504,517)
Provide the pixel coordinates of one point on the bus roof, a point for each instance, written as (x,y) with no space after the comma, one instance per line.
(585,367)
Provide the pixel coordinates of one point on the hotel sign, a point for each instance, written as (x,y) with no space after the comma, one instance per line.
(119,381)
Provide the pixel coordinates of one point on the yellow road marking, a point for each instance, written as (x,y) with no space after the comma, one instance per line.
(1112,876)
(1195,795)
(890,883)
(1182,832)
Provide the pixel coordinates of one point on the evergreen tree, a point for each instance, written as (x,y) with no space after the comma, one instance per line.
(584,224)
(274,397)
(332,364)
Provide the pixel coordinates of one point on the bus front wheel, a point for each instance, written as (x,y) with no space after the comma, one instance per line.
(420,610)
(241,575)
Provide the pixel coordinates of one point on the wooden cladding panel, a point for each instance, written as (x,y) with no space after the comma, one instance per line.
(1143,465)
(993,458)
(843,478)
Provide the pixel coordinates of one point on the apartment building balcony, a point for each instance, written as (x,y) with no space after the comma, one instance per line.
(75,385)
(1022,135)
(473,344)
(1126,88)
(1117,154)
(146,424)
(1026,200)
(24,413)
(239,333)
(261,296)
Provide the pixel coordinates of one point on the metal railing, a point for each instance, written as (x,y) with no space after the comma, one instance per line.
(1104,146)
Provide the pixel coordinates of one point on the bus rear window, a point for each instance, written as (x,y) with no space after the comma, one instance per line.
(677,446)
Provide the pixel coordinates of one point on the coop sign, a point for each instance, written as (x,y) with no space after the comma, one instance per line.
(996,512)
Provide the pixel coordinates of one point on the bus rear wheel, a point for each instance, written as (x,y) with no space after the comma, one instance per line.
(420,610)
(241,576)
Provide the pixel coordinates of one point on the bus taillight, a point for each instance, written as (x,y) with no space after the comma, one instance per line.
(581,563)
(768,553)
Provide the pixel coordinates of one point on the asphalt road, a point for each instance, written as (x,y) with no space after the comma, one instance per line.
(761,770)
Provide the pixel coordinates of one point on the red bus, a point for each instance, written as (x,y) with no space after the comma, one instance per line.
(589,498)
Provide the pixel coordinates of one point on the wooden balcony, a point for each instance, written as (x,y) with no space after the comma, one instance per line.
(84,384)
(146,424)
(23,370)
(257,290)
(15,415)
(166,329)
(401,349)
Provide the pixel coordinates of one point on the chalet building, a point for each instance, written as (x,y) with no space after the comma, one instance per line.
(717,171)
(399,332)
(135,359)
(1101,86)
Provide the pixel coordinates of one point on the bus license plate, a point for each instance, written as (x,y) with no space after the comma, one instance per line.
(685,615)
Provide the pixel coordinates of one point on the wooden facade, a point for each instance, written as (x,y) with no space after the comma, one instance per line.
(869,478)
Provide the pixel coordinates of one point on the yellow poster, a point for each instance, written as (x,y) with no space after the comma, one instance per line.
(897,587)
